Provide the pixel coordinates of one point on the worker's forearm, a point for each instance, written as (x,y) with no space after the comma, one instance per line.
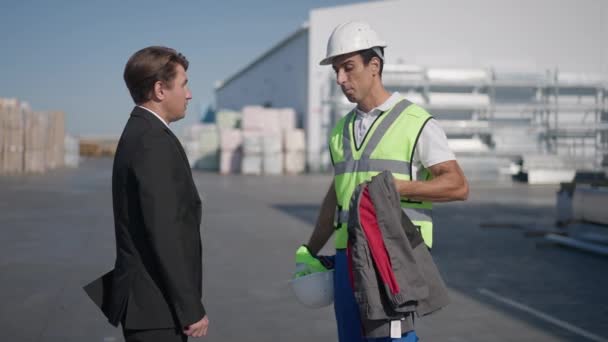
(325,222)
(444,188)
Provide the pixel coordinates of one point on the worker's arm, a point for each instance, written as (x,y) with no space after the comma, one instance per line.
(448,184)
(325,222)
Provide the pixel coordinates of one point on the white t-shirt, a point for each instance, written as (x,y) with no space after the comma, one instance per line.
(432,147)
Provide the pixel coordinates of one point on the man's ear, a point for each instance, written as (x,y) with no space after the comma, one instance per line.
(375,63)
(158,91)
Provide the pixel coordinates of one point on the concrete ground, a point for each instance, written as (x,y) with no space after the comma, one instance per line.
(57,235)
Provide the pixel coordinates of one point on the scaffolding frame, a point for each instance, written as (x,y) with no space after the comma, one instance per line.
(544,111)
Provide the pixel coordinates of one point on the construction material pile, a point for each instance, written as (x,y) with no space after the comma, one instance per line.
(31,142)
(255,141)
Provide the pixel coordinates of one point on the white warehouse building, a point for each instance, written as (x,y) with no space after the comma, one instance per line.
(504,78)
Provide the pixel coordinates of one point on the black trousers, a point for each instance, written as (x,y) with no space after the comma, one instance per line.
(155,335)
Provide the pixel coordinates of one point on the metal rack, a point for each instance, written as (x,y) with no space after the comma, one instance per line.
(564,115)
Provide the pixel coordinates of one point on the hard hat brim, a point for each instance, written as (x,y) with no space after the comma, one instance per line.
(329,60)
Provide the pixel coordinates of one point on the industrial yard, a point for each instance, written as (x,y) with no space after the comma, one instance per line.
(505,285)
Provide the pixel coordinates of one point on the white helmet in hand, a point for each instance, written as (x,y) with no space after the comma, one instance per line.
(350,37)
(314,290)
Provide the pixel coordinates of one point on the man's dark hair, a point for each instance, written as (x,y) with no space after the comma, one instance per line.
(368,54)
(148,66)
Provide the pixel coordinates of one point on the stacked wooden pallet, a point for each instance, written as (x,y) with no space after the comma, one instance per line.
(11,136)
(30,141)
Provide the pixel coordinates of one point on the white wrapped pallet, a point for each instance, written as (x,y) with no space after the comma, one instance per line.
(231,139)
(192,149)
(56,140)
(230,161)
(272,143)
(272,120)
(251,164)
(206,135)
(287,119)
(294,140)
(13,138)
(227,119)
(295,162)
(201,144)
(272,163)
(200,158)
(36,129)
(253,143)
(253,118)
(72,151)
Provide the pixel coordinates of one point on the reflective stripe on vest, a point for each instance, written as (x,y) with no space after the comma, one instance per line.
(370,165)
(414,214)
(365,167)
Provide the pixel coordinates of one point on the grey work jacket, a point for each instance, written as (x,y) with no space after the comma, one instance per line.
(421,288)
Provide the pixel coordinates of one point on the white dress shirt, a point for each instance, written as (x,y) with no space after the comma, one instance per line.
(158,116)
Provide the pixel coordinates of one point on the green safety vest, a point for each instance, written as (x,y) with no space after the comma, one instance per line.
(388,145)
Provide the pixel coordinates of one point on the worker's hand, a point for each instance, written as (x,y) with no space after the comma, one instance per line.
(307,263)
(198,329)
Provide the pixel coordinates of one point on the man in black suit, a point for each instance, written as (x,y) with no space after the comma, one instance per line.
(155,288)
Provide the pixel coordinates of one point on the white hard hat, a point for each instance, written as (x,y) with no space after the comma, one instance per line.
(314,290)
(350,37)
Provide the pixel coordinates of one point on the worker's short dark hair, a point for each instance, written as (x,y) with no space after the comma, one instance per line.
(368,54)
(148,66)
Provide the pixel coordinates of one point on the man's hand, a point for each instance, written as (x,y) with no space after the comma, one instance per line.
(307,263)
(199,328)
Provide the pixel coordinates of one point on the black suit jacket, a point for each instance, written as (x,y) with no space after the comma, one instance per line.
(156,281)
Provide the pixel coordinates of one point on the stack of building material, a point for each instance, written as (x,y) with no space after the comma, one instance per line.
(227,119)
(253,128)
(201,144)
(259,124)
(11,134)
(231,151)
(55,154)
(30,141)
(89,148)
(287,119)
(276,122)
(253,118)
(98,146)
(295,151)
(272,162)
(253,148)
(35,143)
(72,151)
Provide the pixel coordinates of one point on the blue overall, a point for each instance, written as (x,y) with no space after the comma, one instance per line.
(347,311)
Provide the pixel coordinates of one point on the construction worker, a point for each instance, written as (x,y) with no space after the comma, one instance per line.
(383,132)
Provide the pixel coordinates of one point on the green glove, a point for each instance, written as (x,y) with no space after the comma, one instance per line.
(307,263)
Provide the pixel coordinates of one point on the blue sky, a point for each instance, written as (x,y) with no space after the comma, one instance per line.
(69,55)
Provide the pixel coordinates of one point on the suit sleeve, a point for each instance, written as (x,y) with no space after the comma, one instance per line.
(161,199)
